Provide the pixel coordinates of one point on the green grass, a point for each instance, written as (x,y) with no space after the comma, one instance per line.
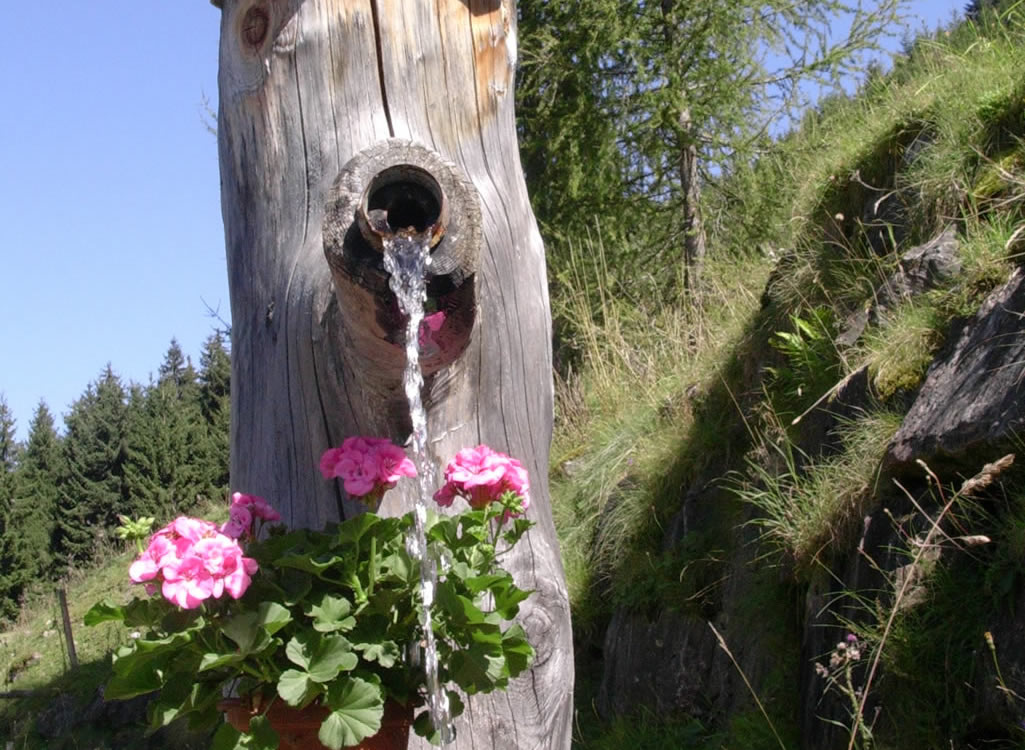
(621,422)
(811,511)
(34,653)
(703,398)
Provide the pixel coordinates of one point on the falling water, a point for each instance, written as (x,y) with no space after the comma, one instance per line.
(407,260)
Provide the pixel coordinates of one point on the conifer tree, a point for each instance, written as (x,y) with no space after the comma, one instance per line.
(91,492)
(9,573)
(35,501)
(215,405)
(166,441)
(8,455)
(627,111)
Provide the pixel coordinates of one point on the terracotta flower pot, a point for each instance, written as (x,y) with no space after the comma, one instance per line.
(297,728)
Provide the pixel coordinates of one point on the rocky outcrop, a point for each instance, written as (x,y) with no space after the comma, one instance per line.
(969,410)
(972,402)
(667,664)
(921,268)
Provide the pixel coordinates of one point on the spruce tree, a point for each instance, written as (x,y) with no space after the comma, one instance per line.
(34,506)
(8,454)
(91,492)
(10,576)
(166,441)
(215,406)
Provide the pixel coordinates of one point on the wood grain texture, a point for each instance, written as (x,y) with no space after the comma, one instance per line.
(329,79)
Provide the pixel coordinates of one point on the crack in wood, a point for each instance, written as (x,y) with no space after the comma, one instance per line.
(380,65)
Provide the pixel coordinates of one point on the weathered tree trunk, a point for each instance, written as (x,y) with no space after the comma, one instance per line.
(690,185)
(318,97)
(690,193)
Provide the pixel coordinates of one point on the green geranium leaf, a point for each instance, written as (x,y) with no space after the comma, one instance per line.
(295,585)
(461,608)
(227,738)
(520,526)
(322,657)
(476,584)
(180,697)
(422,723)
(300,649)
(385,653)
(296,688)
(395,567)
(272,617)
(141,676)
(145,612)
(507,600)
(356,528)
(333,655)
(461,570)
(263,735)
(248,632)
(212,660)
(487,633)
(174,641)
(182,620)
(309,564)
(519,654)
(356,710)
(333,613)
(104,611)
(478,668)
(455,704)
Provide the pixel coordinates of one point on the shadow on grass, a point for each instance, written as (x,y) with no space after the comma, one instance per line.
(69,713)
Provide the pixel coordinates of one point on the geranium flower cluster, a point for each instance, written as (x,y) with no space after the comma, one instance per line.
(244,511)
(367,467)
(481,476)
(192,561)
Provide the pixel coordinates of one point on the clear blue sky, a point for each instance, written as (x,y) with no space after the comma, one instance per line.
(110,221)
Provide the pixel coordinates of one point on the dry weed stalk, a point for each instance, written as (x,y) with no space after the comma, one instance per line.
(971,486)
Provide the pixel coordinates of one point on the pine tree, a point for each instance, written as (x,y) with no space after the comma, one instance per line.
(91,492)
(35,500)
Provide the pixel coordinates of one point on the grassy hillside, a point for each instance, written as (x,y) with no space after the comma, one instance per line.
(720,400)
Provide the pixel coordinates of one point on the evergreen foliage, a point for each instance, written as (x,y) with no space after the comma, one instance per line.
(92,492)
(166,441)
(35,502)
(633,114)
(215,406)
(9,573)
(128,450)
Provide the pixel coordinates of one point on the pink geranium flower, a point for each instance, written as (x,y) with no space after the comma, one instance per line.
(367,467)
(243,511)
(430,325)
(481,476)
(192,560)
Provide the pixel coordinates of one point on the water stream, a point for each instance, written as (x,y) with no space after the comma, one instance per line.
(407,260)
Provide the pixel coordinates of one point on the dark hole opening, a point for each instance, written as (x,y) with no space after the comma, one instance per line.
(408,205)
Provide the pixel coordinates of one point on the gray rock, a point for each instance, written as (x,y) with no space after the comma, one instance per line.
(665,664)
(921,268)
(971,404)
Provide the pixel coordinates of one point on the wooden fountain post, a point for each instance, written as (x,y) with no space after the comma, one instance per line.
(401,109)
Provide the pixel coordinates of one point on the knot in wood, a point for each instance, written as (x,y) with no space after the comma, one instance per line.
(255,26)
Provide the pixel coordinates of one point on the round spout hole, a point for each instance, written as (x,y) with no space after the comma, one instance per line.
(402,198)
